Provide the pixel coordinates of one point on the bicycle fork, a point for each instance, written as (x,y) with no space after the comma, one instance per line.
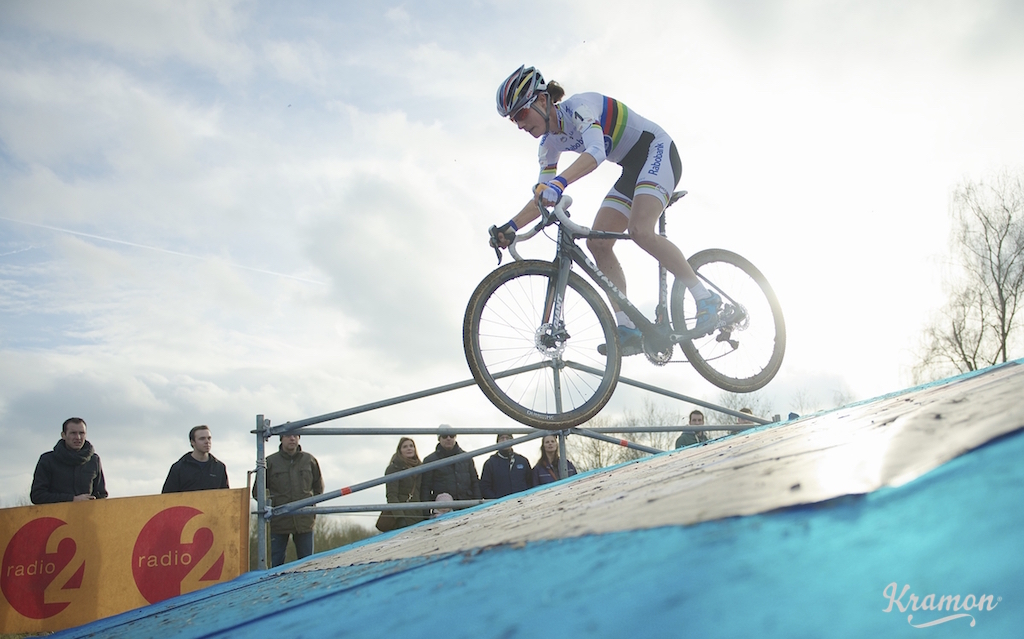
(552,336)
(553,330)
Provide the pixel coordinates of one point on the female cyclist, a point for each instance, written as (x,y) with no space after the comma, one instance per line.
(600,128)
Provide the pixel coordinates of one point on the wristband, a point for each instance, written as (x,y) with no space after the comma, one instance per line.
(512,223)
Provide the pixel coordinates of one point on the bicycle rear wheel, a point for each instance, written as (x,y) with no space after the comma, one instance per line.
(746,353)
(536,372)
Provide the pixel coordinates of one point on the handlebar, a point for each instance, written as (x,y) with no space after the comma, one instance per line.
(548,217)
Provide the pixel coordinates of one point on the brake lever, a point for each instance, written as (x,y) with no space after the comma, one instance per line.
(494,241)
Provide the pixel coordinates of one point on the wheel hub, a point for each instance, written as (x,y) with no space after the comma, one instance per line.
(550,341)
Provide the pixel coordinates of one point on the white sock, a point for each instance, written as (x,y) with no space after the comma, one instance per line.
(623,319)
(699,291)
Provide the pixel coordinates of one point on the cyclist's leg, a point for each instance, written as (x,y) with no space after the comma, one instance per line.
(613,221)
(646,210)
(642,222)
(613,217)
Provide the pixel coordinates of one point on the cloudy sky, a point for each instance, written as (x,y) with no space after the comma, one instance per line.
(210,211)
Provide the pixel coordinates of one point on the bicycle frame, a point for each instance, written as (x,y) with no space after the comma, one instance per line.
(518,321)
(568,252)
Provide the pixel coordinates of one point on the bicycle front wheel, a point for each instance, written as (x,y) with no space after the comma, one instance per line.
(535,369)
(746,353)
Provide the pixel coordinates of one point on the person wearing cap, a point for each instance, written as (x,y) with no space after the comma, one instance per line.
(460,480)
(505,472)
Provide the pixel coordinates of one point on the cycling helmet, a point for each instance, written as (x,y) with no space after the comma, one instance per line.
(519,90)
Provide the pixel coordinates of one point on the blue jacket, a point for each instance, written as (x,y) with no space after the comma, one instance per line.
(505,475)
(545,473)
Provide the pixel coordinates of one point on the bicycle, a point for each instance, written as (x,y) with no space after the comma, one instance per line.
(533,329)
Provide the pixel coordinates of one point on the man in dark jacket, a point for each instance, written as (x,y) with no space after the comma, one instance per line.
(198,470)
(71,471)
(690,438)
(458,480)
(291,475)
(505,472)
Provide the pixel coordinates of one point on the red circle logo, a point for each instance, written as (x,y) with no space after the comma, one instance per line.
(28,569)
(162,560)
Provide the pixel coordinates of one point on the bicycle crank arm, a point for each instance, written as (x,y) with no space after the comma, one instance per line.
(723,336)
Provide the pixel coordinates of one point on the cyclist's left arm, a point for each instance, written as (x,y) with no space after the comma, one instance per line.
(588,128)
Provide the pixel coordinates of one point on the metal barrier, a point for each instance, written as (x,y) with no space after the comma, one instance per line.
(264,431)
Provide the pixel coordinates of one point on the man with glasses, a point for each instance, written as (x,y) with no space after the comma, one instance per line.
(460,480)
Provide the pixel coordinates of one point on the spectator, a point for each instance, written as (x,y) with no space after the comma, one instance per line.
(546,470)
(690,438)
(459,480)
(443,497)
(291,475)
(71,471)
(505,472)
(408,489)
(741,421)
(198,470)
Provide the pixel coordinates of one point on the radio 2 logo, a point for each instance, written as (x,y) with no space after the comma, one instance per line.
(173,553)
(40,567)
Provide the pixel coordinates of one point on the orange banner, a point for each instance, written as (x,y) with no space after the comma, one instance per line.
(68,564)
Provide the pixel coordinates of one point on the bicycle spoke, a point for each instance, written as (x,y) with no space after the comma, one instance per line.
(506,329)
(745,354)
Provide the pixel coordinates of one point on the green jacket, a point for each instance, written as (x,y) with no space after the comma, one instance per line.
(291,478)
(403,491)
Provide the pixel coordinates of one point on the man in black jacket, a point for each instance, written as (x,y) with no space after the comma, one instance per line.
(459,480)
(198,470)
(506,472)
(71,471)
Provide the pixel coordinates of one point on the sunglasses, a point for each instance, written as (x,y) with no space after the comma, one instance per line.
(521,114)
(447,436)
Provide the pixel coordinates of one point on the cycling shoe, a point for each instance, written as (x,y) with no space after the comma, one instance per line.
(631,342)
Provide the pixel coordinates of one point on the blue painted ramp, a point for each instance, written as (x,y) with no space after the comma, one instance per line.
(861,522)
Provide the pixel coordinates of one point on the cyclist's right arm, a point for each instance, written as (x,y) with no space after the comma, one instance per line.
(502,236)
(548,159)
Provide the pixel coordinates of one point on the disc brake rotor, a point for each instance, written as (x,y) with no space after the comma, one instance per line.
(550,341)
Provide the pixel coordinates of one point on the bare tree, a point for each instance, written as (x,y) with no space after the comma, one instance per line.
(758,403)
(978,326)
(588,454)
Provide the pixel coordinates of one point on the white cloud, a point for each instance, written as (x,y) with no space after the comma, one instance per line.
(202,34)
(820,141)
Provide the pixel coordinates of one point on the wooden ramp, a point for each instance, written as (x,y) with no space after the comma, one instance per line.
(862,521)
